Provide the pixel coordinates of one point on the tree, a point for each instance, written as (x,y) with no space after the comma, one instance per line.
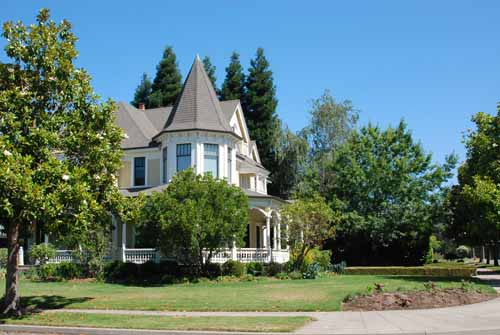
(167,84)
(330,125)
(195,213)
(233,87)
(260,109)
(59,147)
(290,163)
(310,223)
(388,191)
(210,69)
(475,201)
(142,92)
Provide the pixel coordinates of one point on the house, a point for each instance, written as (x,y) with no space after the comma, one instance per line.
(208,135)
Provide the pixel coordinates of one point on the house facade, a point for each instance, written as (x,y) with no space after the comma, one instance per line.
(209,136)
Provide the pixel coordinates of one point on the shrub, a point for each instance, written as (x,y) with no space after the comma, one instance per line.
(463,251)
(47,272)
(233,268)
(282,275)
(294,275)
(412,271)
(255,268)
(312,271)
(212,270)
(272,269)
(42,253)
(69,271)
(315,255)
(339,267)
(4,254)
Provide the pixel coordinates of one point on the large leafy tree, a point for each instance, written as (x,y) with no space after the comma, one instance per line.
(167,83)
(260,109)
(310,223)
(330,125)
(210,69)
(193,214)
(387,188)
(142,92)
(233,87)
(475,201)
(59,147)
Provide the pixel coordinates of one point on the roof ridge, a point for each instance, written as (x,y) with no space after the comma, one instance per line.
(141,124)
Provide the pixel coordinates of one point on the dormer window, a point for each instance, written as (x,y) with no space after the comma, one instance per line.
(211,159)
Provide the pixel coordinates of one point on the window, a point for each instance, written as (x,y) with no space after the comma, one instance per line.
(211,161)
(183,156)
(165,166)
(229,165)
(139,171)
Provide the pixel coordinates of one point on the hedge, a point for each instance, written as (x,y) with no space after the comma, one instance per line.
(412,271)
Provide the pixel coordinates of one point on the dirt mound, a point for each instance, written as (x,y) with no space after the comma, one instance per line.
(415,299)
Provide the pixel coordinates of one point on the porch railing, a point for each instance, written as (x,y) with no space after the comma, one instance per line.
(140,256)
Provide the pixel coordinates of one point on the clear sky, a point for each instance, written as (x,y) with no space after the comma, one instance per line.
(433,63)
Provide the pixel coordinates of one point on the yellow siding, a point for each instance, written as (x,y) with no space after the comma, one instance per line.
(154,172)
(124,175)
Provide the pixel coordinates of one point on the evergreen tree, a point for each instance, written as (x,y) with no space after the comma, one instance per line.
(259,106)
(210,69)
(167,84)
(142,92)
(234,83)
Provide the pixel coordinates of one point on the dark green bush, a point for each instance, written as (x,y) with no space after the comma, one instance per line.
(412,271)
(47,272)
(339,267)
(233,268)
(255,269)
(212,270)
(272,269)
(312,271)
(69,271)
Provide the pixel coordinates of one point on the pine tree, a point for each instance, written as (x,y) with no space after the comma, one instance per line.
(210,69)
(142,92)
(234,83)
(259,106)
(167,84)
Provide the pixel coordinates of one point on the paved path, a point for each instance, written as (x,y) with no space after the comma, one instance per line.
(482,318)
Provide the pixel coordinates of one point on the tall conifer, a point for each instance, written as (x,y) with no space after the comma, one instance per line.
(167,84)
(210,69)
(142,92)
(234,83)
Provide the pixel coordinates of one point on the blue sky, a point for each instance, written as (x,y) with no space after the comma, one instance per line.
(433,63)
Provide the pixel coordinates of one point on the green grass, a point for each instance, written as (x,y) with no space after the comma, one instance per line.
(242,324)
(324,294)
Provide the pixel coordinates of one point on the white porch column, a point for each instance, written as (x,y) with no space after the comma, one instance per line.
(275,237)
(278,245)
(114,238)
(263,237)
(483,255)
(46,239)
(287,238)
(21,256)
(124,240)
(268,238)
(234,253)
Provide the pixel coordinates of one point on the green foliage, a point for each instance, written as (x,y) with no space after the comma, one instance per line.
(339,268)
(272,269)
(233,268)
(312,271)
(42,253)
(412,271)
(390,195)
(167,83)
(58,272)
(142,92)
(210,70)
(260,108)
(3,258)
(195,213)
(294,275)
(234,84)
(310,223)
(255,268)
(463,251)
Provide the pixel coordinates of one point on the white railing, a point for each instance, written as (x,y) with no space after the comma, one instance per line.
(247,255)
(62,256)
(140,256)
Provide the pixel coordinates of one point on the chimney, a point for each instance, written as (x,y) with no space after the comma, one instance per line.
(142,106)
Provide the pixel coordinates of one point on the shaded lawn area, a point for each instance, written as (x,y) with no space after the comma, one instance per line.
(242,324)
(323,294)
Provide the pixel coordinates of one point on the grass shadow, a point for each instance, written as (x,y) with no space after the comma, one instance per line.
(436,279)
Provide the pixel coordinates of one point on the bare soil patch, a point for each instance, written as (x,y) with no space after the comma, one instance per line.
(435,298)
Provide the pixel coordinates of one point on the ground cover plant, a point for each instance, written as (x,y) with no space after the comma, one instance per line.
(325,293)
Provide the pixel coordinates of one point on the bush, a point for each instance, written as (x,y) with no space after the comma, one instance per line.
(212,270)
(42,253)
(255,268)
(272,269)
(282,275)
(69,271)
(312,271)
(294,275)
(412,271)
(233,268)
(315,255)
(4,254)
(47,272)
(463,251)
(339,267)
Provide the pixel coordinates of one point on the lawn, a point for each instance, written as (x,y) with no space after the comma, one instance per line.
(324,294)
(241,324)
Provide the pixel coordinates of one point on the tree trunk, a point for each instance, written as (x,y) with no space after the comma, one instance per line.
(487,249)
(495,254)
(11,300)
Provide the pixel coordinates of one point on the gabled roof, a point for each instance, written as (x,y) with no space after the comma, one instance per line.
(140,125)
(198,107)
(229,107)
